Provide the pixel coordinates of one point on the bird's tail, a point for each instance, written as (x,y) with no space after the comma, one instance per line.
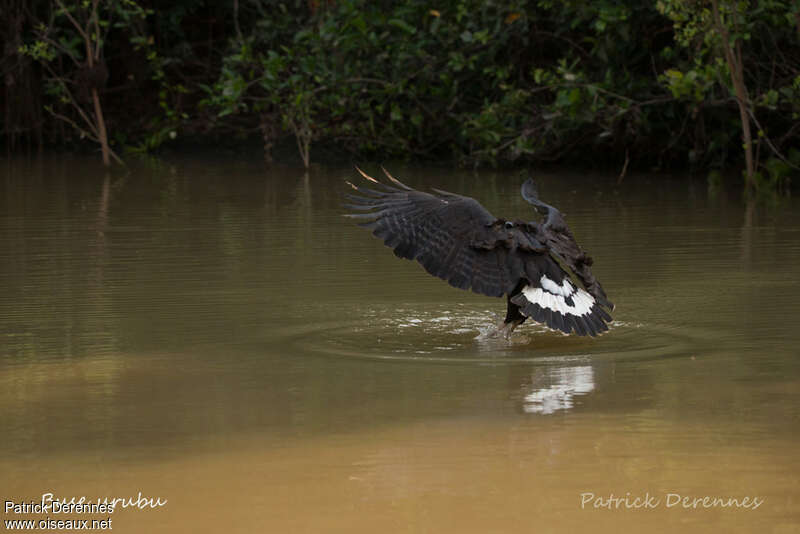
(551,297)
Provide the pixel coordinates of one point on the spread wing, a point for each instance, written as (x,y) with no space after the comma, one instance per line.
(451,236)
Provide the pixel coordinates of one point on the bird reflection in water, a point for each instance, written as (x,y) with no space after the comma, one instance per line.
(556,389)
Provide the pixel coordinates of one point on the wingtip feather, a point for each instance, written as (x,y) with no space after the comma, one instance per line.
(367,176)
(395,180)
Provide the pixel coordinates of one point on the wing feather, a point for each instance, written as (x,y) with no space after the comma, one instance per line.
(453,237)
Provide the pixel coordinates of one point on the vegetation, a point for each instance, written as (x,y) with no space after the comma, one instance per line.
(737,52)
(71,53)
(699,83)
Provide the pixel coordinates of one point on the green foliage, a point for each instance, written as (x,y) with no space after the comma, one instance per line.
(164,125)
(39,50)
(477,82)
(758,34)
(777,173)
(60,37)
(71,49)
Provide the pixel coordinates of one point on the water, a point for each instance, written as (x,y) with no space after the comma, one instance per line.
(215,334)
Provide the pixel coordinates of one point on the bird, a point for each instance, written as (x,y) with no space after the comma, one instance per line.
(537,265)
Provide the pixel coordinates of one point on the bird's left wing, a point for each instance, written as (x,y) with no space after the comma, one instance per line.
(451,236)
(563,247)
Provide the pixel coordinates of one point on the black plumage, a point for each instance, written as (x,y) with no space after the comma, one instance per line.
(538,265)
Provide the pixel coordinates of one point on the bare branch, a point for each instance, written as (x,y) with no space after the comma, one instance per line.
(72,20)
(734,60)
(97,38)
(624,168)
(769,142)
(55,44)
(71,122)
(236,21)
(71,99)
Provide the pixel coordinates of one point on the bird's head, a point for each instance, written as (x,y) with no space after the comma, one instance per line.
(530,192)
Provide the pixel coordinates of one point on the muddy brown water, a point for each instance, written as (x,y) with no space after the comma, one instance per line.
(214,334)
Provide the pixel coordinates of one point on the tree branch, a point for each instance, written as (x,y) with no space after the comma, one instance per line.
(72,123)
(72,20)
(769,142)
(97,37)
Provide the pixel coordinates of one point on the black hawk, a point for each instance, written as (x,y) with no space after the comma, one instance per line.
(537,265)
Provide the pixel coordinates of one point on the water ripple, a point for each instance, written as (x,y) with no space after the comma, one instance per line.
(439,335)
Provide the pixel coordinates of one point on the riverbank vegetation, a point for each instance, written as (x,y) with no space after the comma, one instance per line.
(669,83)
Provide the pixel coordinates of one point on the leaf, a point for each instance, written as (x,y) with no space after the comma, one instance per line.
(403,25)
(574,96)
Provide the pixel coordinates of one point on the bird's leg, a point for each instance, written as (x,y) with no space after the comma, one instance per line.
(501,328)
(513,318)
(511,326)
(505,329)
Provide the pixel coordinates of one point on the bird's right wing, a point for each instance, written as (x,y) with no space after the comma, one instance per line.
(451,236)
